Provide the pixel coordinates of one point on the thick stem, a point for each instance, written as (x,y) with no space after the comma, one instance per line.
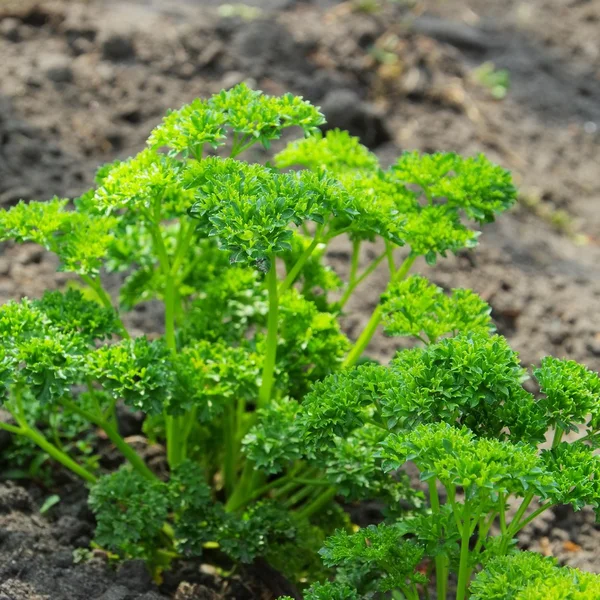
(463,568)
(264,395)
(558,433)
(113,435)
(502,512)
(229,448)
(287,283)
(367,334)
(389,252)
(441,574)
(318,503)
(38,438)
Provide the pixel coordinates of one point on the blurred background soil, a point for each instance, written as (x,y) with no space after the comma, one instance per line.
(82,82)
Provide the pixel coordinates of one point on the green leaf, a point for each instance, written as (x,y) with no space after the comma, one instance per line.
(572,393)
(336,151)
(138,371)
(80,240)
(49,502)
(130,511)
(419,308)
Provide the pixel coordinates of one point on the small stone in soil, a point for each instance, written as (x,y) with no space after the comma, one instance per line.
(117,47)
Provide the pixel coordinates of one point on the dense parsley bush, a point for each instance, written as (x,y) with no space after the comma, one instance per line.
(270,418)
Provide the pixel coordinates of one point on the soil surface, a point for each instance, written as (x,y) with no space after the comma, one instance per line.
(83,82)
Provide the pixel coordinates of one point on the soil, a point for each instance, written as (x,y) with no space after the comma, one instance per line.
(82,82)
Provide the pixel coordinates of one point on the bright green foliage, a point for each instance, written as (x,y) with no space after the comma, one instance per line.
(529,576)
(328,591)
(139,371)
(473,380)
(189,128)
(575,469)
(276,442)
(251,116)
(310,345)
(80,241)
(336,151)
(436,230)
(420,309)
(36,355)
(572,393)
(253,389)
(72,313)
(228,304)
(474,185)
(341,403)
(482,467)
(210,375)
(378,206)
(375,558)
(249,208)
(130,512)
(149,182)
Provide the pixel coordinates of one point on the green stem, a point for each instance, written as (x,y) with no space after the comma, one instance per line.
(96,285)
(230,443)
(441,576)
(484,528)
(502,512)
(287,283)
(532,516)
(351,287)
(183,246)
(300,495)
(11,428)
(367,334)
(38,438)
(264,395)
(558,433)
(389,252)
(175,445)
(354,261)
(318,503)
(113,435)
(463,568)
(513,528)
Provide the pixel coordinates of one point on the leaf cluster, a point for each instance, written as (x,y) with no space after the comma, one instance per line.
(415,307)
(530,576)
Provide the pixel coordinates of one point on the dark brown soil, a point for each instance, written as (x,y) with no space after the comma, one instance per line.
(82,82)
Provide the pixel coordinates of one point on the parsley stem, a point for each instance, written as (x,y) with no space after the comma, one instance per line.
(463,568)
(126,450)
(354,261)
(38,438)
(369,331)
(558,433)
(441,575)
(264,395)
(318,503)
(230,447)
(352,286)
(96,285)
(389,251)
(287,283)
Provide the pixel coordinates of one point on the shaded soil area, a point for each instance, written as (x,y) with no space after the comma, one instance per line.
(83,82)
